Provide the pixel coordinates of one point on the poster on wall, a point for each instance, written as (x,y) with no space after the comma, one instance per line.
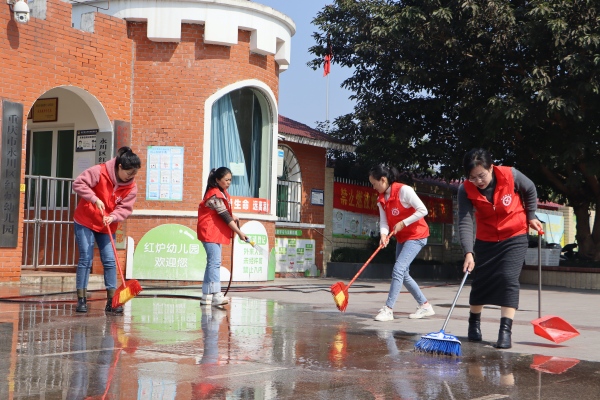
(347,224)
(251,263)
(164,178)
(86,140)
(294,255)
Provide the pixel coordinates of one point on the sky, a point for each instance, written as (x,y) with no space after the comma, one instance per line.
(302,91)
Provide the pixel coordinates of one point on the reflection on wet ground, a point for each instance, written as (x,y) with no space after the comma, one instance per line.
(172,348)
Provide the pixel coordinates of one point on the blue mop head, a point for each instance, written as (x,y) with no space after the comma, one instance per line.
(439,343)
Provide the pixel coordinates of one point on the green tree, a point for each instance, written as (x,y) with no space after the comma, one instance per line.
(433,79)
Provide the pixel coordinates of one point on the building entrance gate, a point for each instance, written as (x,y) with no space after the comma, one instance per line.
(48,233)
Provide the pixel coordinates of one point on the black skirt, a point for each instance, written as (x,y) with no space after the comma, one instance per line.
(497,270)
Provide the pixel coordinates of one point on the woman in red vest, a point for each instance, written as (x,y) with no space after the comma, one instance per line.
(401,209)
(216,223)
(108,192)
(495,196)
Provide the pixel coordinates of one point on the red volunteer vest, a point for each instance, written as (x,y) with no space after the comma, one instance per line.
(503,219)
(86,212)
(396,212)
(211,227)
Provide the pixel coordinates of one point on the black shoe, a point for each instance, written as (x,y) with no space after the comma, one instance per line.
(81,305)
(474,327)
(504,335)
(113,310)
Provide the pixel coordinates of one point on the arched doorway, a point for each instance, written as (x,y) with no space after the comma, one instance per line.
(60,144)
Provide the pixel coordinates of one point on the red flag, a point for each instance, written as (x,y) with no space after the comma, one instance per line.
(327,65)
(328,55)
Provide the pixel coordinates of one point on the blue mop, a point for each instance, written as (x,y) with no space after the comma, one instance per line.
(439,342)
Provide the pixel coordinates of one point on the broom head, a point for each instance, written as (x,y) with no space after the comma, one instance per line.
(126,292)
(340,295)
(439,343)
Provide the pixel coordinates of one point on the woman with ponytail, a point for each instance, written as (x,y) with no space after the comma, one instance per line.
(401,213)
(108,192)
(216,224)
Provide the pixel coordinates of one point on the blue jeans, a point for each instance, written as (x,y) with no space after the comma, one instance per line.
(212,274)
(85,241)
(405,254)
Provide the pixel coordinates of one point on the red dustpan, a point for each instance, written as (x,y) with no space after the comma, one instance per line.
(550,327)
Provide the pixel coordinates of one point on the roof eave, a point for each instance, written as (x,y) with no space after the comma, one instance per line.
(317,143)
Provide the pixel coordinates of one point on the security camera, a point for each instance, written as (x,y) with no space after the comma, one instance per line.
(21,11)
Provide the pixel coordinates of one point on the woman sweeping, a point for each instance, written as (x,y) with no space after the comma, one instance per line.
(216,224)
(401,212)
(504,202)
(108,192)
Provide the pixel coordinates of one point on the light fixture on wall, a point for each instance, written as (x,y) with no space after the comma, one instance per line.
(20,10)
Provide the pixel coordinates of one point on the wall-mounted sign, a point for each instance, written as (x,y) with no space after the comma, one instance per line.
(169,252)
(317,197)
(86,140)
(288,232)
(294,255)
(45,110)
(10,155)
(164,180)
(251,263)
(104,147)
(249,205)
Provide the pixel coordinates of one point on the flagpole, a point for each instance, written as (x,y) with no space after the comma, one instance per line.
(327,103)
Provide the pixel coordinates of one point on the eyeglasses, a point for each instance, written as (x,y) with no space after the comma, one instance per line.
(129,173)
(481,177)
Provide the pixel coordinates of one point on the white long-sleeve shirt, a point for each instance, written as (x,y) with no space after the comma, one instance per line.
(408,199)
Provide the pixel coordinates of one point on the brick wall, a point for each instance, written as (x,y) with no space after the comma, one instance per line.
(161,88)
(43,54)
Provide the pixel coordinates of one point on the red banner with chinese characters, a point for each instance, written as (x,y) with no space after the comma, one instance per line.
(438,209)
(355,198)
(249,205)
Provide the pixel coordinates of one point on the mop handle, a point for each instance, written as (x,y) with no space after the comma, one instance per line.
(112,242)
(368,261)
(540,233)
(455,299)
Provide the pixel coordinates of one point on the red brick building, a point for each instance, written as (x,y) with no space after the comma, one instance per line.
(200,78)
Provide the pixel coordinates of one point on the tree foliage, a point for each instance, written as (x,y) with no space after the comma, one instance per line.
(434,78)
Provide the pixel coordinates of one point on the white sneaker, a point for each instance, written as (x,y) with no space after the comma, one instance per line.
(425,310)
(218,299)
(206,299)
(385,314)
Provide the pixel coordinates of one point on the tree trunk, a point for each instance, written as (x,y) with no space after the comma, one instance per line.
(588,247)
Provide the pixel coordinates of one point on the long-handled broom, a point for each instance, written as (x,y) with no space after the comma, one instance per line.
(340,291)
(128,289)
(439,342)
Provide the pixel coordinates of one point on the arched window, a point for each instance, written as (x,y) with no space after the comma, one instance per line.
(289,187)
(241,140)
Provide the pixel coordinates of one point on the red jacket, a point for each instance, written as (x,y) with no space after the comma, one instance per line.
(88,215)
(503,219)
(211,227)
(396,212)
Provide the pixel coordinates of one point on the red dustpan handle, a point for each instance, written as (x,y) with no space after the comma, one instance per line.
(540,233)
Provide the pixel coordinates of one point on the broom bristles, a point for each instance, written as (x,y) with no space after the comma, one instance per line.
(439,343)
(126,292)
(340,295)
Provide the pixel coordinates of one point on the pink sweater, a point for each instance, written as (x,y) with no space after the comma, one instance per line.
(89,178)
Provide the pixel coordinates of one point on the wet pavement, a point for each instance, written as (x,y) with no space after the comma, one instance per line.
(285,340)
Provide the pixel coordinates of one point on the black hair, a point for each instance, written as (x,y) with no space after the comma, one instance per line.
(380,170)
(127,159)
(215,174)
(476,158)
